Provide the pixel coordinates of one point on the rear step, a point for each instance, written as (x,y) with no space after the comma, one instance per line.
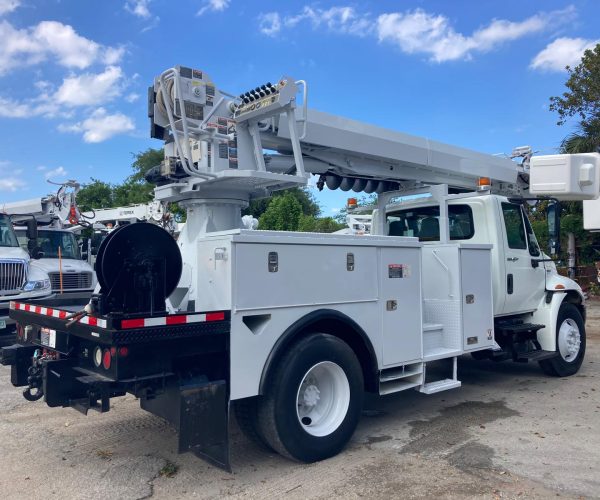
(439,386)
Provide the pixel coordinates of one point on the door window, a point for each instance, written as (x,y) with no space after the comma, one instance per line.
(515,229)
(423,222)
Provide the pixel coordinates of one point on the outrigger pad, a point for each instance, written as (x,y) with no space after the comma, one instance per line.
(204,422)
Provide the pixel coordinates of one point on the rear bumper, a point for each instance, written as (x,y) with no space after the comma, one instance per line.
(179,372)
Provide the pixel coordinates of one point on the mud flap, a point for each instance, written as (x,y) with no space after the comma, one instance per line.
(204,422)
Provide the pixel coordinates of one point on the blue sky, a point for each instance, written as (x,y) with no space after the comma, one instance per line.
(74,73)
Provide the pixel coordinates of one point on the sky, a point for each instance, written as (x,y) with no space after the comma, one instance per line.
(74,73)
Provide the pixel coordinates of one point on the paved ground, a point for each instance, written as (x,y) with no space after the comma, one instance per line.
(509,432)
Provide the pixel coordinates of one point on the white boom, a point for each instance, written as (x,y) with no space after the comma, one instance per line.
(152,212)
(58,209)
(216,143)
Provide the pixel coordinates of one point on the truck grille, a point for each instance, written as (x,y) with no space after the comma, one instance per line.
(71,281)
(13,275)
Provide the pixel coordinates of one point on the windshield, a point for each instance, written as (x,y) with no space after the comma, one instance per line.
(7,234)
(50,241)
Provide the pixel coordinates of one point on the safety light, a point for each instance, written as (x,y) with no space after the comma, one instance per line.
(484,184)
(559,287)
(123,351)
(97,356)
(106,359)
(352,203)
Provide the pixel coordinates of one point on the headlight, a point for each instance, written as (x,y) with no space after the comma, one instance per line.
(36,285)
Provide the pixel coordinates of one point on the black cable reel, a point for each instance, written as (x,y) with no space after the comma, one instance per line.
(138,266)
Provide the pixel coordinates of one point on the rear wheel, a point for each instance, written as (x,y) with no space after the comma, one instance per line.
(570,343)
(246,414)
(313,399)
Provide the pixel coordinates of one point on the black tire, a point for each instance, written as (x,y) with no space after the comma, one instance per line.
(277,411)
(246,414)
(559,366)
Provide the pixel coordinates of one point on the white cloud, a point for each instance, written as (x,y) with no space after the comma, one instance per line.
(7,6)
(213,6)
(11,184)
(132,97)
(418,31)
(57,172)
(10,178)
(87,89)
(51,39)
(138,8)
(90,89)
(100,126)
(421,32)
(562,52)
(269,24)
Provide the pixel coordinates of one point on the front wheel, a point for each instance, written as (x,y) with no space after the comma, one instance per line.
(570,343)
(313,400)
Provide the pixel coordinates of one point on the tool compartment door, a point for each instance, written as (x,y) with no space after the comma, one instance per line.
(400,303)
(477,301)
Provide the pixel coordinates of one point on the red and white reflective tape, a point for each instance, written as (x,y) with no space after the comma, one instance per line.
(56,313)
(172,320)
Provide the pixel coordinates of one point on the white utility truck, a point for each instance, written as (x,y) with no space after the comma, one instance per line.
(58,219)
(21,278)
(293,328)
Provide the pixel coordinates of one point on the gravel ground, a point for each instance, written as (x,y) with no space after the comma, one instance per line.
(509,432)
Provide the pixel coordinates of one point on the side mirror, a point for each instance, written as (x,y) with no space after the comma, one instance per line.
(32,232)
(553,218)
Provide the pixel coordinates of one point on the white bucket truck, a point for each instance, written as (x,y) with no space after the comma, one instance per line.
(58,218)
(21,278)
(293,328)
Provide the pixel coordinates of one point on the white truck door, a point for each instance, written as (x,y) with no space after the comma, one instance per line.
(401,305)
(524,284)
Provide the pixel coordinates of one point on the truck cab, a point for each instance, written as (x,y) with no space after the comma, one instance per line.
(21,278)
(527,288)
(78,278)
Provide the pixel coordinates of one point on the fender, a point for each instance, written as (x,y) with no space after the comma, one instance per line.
(547,314)
(328,321)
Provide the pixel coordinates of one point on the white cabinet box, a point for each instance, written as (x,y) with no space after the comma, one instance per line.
(567,177)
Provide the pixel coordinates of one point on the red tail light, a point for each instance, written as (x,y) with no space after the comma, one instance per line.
(106,359)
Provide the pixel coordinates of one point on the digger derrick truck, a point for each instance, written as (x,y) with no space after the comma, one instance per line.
(290,329)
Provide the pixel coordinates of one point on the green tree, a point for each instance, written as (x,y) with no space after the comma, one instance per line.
(582,97)
(96,194)
(283,214)
(310,224)
(585,140)
(143,162)
(303,196)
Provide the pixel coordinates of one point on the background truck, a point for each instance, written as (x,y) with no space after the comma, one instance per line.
(20,277)
(58,219)
(293,328)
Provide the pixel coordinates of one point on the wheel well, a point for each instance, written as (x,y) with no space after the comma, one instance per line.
(334,323)
(574,298)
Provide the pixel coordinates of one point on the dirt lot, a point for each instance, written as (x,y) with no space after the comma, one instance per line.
(509,432)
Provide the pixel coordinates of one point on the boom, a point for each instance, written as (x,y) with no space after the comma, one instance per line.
(213,138)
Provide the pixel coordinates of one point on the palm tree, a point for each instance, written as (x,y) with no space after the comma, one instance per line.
(585,140)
